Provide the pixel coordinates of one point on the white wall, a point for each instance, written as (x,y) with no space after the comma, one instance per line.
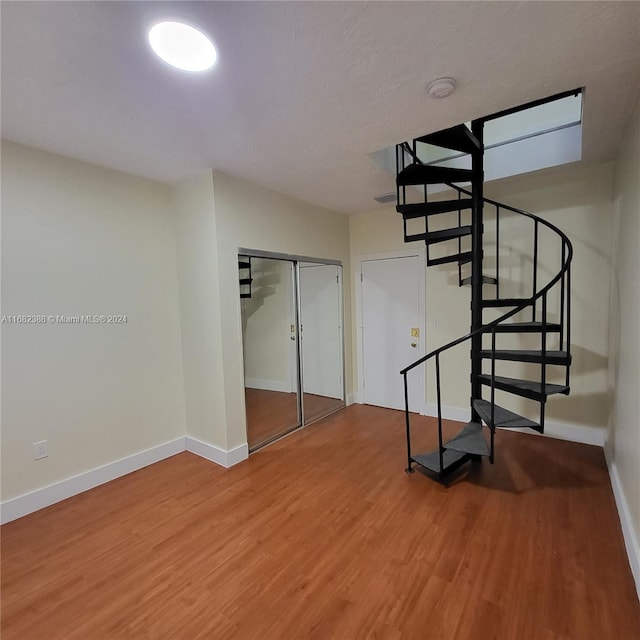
(253,217)
(624,438)
(201,335)
(82,240)
(578,200)
(78,239)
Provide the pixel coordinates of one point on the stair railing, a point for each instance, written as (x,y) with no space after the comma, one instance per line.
(563,277)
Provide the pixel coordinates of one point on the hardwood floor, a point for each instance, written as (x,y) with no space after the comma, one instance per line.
(269,413)
(322,535)
(272,413)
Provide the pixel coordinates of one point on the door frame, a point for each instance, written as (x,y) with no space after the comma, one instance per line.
(421,254)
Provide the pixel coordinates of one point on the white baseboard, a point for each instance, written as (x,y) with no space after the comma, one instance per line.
(448,413)
(27,503)
(631,539)
(40,498)
(559,430)
(215,454)
(283,386)
(576,433)
(570,432)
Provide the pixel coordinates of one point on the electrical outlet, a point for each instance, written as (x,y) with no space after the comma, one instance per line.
(40,449)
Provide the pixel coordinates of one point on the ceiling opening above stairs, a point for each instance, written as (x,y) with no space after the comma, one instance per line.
(515,142)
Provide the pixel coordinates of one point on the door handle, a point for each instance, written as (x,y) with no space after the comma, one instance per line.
(414,344)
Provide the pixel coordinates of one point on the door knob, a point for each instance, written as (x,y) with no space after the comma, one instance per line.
(414,344)
(293,338)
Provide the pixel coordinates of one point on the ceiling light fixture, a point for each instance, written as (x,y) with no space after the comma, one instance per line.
(182,46)
(441,87)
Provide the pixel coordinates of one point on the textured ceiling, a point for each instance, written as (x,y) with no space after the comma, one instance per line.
(303,91)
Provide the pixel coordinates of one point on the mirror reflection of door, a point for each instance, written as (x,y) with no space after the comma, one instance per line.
(270,350)
(321,339)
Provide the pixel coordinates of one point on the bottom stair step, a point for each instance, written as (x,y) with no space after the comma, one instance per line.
(469,440)
(450,460)
(503,418)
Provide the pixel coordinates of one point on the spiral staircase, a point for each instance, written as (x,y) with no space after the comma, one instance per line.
(542,315)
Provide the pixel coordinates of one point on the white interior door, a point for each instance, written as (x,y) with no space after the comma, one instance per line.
(390,292)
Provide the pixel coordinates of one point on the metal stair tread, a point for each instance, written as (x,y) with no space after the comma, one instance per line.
(505,302)
(525,388)
(244,265)
(440,236)
(528,355)
(458,138)
(485,280)
(503,417)
(422,209)
(416,174)
(244,281)
(526,327)
(469,439)
(461,258)
(431,460)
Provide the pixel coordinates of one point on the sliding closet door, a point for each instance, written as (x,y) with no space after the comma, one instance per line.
(270,348)
(321,339)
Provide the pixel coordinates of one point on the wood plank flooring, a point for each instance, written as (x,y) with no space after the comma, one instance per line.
(272,413)
(322,535)
(269,413)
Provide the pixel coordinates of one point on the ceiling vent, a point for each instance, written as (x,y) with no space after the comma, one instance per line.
(386,198)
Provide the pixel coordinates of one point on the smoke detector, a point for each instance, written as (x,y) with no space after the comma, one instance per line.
(441,87)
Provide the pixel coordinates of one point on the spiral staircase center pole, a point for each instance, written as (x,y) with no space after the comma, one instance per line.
(477,128)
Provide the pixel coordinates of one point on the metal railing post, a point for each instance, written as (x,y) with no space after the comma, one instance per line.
(477,128)
(407,422)
(535,268)
(440,447)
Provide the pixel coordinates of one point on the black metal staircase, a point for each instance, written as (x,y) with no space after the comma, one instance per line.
(244,269)
(547,307)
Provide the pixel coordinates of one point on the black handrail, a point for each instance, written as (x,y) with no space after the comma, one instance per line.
(566,245)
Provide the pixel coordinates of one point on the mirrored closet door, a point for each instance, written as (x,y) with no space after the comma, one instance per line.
(321,339)
(268,307)
(292,337)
